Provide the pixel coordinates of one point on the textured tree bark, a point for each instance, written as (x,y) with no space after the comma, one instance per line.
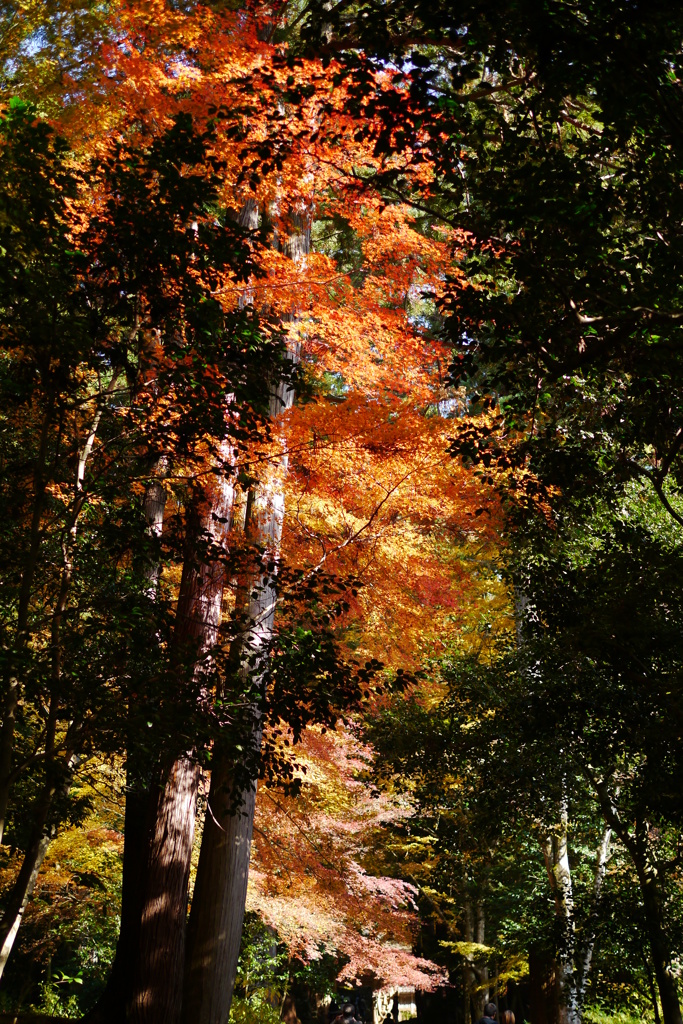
(468,975)
(59,775)
(112,1007)
(481,968)
(653,988)
(145,985)
(475,972)
(157,980)
(289,1014)
(220,893)
(146,979)
(155,996)
(219,898)
(544,1003)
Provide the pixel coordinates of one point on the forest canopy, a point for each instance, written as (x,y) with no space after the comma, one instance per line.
(341,472)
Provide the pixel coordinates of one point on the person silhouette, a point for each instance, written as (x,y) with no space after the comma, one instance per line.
(347,1016)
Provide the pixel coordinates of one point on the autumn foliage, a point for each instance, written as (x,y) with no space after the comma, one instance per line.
(187,162)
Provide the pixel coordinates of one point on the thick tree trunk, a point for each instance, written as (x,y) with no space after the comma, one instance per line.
(288,1013)
(219,898)
(555,849)
(543,988)
(145,985)
(112,1007)
(157,980)
(218,902)
(156,993)
(146,979)
(140,807)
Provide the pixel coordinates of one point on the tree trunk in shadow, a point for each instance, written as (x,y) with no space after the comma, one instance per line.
(644,860)
(544,997)
(145,985)
(158,975)
(659,945)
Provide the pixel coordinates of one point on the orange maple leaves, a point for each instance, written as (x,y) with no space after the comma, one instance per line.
(372,492)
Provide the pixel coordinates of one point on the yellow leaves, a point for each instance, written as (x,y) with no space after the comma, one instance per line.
(505,968)
(92,849)
(468,950)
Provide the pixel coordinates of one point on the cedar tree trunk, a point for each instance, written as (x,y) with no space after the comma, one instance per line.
(145,986)
(219,898)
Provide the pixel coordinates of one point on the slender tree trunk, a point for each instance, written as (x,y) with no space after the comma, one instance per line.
(556,856)
(482,968)
(13,689)
(653,988)
(475,972)
(23,888)
(659,944)
(601,859)
(219,898)
(59,775)
(58,780)
(21,894)
(637,845)
(469,978)
(154,507)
